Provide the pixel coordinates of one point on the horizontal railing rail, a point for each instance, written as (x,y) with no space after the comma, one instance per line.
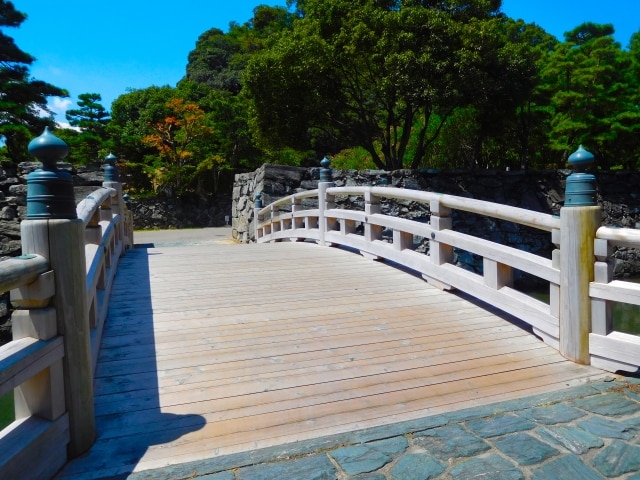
(380,236)
(363,230)
(21,271)
(611,349)
(105,241)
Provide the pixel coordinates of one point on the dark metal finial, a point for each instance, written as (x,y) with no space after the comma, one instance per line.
(580,190)
(49,149)
(111,173)
(325,171)
(49,190)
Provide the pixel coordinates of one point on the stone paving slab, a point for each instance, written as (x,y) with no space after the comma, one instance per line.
(586,432)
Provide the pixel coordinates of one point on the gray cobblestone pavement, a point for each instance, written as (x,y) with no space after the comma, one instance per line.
(587,432)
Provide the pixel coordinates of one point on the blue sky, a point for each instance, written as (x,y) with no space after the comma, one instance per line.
(109,47)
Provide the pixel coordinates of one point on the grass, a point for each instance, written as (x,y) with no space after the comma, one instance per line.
(7,414)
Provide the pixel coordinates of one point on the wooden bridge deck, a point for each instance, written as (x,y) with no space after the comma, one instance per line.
(217,349)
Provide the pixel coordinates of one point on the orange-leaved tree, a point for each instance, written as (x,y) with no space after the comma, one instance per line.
(180,141)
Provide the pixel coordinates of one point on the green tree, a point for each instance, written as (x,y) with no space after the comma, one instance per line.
(592,98)
(23,100)
(177,140)
(132,115)
(382,75)
(219,59)
(211,62)
(91,119)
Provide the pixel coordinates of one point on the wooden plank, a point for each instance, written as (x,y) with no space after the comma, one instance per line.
(255,393)
(240,352)
(206,341)
(267,367)
(262,323)
(323,373)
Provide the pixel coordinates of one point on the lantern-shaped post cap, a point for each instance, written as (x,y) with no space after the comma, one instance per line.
(110,170)
(580,189)
(49,149)
(581,159)
(325,171)
(49,190)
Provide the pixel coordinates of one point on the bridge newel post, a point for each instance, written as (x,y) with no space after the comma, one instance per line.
(52,229)
(439,253)
(257,218)
(325,201)
(118,206)
(579,220)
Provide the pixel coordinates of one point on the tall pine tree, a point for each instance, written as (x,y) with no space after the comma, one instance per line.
(23,100)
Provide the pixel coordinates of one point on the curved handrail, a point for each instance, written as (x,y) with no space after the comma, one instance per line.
(88,207)
(611,349)
(289,199)
(518,215)
(363,231)
(337,226)
(624,237)
(20,271)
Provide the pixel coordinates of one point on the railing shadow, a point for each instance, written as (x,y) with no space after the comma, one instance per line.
(129,416)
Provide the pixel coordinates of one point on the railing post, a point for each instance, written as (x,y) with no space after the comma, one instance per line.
(602,310)
(297,223)
(579,220)
(257,218)
(323,199)
(117,204)
(53,230)
(439,253)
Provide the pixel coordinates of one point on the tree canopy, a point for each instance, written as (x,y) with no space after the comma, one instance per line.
(375,83)
(386,76)
(91,119)
(23,100)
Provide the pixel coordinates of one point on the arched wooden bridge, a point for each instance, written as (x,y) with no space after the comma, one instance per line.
(212,349)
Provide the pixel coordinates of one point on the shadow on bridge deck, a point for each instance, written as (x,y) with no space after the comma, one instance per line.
(119,402)
(213,350)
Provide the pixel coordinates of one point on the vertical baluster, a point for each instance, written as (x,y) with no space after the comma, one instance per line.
(371,207)
(439,253)
(297,223)
(601,310)
(258,219)
(325,201)
(496,274)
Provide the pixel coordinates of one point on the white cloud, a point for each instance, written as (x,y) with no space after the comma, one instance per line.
(67,125)
(59,105)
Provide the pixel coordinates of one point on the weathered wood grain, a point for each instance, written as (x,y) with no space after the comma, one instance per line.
(219,349)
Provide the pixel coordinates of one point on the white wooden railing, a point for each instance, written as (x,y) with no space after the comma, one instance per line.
(564,322)
(612,350)
(60,288)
